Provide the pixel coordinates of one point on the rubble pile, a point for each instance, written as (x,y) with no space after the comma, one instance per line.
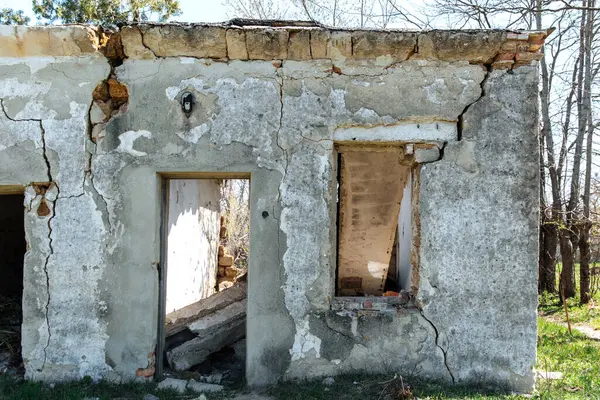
(195,333)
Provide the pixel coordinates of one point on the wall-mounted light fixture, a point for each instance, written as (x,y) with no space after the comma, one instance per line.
(187,102)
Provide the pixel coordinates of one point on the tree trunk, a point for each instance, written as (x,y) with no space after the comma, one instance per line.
(541,269)
(571,231)
(548,257)
(567,285)
(584,245)
(584,264)
(548,231)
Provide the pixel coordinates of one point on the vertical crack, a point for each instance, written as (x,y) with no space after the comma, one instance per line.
(460,122)
(144,42)
(93,143)
(51,184)
(90,175)
(44,154)
(437,338)
(285,167)
(50,245)
(285,153)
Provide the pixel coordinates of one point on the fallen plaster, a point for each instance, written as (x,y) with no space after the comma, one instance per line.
(127,141)
(305,343)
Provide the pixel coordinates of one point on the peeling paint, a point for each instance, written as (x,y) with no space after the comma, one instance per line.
(128,139)
(192,83)
(305,343)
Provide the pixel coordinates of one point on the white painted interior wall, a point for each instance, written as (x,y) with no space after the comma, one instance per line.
(404,269)
(193,240)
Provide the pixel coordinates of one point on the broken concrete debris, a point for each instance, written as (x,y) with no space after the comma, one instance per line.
(200,387)
(177,320)
(181,385)
(549,375)
(328,381)
(220,321)
(174,384)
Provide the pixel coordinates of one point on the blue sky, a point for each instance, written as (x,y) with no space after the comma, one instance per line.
(192,10)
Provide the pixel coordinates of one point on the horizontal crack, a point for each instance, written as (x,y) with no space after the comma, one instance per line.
(16,119)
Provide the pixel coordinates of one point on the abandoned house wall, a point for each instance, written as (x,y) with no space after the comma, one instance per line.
(193,222)
(274,103)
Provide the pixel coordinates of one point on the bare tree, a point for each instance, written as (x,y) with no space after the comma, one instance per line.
(260,9)
(335,13)
(235,198)
(566,221)
(586,119)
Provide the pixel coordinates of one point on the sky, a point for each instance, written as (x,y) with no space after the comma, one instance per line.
(192,10)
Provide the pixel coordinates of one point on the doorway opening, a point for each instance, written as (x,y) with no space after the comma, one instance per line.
(12,251)
(205,239)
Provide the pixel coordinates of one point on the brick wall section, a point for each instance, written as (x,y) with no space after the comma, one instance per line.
(371,186)
(500,49)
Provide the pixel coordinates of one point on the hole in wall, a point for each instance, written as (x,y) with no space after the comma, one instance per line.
(12,252)
(206,264)
(374,221)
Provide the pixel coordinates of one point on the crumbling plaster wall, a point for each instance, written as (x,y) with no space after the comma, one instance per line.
(90,303)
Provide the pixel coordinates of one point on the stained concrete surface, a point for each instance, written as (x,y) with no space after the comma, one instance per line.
(90,274)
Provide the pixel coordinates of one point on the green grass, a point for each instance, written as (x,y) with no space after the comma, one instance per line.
(12,390)
(363,387)
(589,314)
(551,307)
(575,355)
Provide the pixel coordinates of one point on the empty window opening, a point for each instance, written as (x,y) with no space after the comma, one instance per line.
(206,263)
(374,222)
(12,252)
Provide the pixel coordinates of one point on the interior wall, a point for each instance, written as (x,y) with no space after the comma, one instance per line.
(12,245)
(403,259)
(371,189)
(193,240)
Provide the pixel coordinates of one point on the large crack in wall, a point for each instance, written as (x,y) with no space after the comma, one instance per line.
(48,192)
(419,304)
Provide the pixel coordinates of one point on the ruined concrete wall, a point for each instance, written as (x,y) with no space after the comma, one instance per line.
(479,220)
(44,138)
(91,280)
